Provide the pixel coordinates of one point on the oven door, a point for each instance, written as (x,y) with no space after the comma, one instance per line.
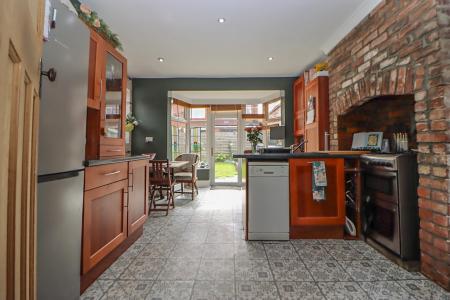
(381,215)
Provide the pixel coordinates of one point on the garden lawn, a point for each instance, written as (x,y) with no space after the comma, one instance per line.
(225,169)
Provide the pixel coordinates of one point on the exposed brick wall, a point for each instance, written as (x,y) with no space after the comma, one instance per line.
(403,47)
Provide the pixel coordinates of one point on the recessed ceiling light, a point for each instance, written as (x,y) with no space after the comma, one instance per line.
(221,20)
(161,59)
(270,58)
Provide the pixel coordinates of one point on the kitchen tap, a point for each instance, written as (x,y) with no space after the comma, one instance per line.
(295,147)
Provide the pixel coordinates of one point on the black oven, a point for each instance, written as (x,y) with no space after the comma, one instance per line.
(390,210)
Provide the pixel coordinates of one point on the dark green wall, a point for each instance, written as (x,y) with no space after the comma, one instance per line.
(150,104)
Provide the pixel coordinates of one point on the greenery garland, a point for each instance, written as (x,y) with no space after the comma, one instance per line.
(92,19)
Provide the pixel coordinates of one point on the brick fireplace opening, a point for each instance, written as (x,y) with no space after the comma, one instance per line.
(402,48)
(388,114)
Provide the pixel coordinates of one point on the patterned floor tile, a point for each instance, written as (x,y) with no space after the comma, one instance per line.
(134,250)
(117,268)
(328,242)
(396,272)
(385,290)
(180,269)
(344,252)
(188,250)
(157,250)
(213,290)
(222,251)
(254,290)
(366,250)
(289,270)
(171,290)
(364,270)
(128,290)
(194,236)
(312,252)
(97,290)
(254,269)
(327,270)
(281,250)
(249,250)
(424,289)
(342,291)
(305,242)
(299,290)
(144,269)
(216,269)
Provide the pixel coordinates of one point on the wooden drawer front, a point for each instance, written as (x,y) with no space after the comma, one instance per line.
(112,150)
(104,222)
(101,175)
(137,194)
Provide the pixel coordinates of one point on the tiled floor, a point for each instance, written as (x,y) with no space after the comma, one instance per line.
(197,252)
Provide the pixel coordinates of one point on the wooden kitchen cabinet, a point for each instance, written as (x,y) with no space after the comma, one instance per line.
(299,108)
(115,210)
(107,81)
(138,182)
(316,97)
(309,218)
(104,222)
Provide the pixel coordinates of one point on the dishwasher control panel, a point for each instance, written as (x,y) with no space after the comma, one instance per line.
(268,170)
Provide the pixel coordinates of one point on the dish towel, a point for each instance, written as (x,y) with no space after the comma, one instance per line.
(319,180)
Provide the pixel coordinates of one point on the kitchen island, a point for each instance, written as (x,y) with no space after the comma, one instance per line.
(309,218)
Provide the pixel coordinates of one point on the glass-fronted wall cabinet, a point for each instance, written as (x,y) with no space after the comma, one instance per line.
(105,134)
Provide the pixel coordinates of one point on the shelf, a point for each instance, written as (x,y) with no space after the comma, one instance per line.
(352,170)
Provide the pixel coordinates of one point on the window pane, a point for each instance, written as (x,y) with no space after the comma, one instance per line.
(198,113)
(274,110)
(254,109)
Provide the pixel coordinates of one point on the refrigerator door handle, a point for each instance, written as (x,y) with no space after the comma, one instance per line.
(58,176)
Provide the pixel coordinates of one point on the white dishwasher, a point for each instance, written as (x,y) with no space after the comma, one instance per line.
(268,201)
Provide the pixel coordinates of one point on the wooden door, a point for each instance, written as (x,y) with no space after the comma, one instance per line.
(138,181)
(299,107)
(104,222)
(96,65)
(114,74)
(315,132)
(304,210)
(20,52)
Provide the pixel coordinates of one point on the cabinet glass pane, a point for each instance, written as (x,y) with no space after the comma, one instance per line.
(113,97)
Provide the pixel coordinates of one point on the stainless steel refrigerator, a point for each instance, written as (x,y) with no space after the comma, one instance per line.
(62,136)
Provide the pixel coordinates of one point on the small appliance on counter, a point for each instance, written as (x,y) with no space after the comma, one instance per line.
(367,141)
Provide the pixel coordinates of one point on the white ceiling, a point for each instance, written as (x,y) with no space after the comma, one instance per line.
(226,97)
(186,33)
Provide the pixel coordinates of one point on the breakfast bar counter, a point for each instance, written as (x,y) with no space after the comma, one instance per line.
(310,217)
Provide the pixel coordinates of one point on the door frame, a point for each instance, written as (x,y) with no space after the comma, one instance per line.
(240,145)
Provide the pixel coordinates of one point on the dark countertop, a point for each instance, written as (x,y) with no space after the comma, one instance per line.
(286,156)
(99,162)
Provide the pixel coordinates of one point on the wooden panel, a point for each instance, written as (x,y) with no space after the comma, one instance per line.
(315,132)
(299,106)
(306,211)
(104,222)
(20,53)
(102,175)
(138,183)
(112,150)
(95,81)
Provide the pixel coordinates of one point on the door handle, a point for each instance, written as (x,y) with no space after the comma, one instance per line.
(112,173)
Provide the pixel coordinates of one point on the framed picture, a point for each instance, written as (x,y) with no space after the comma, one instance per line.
(311,110)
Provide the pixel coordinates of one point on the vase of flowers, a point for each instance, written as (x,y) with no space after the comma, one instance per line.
(254,136)
(130,123)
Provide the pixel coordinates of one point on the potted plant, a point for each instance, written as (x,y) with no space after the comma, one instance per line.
(131,123)
(254,136)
